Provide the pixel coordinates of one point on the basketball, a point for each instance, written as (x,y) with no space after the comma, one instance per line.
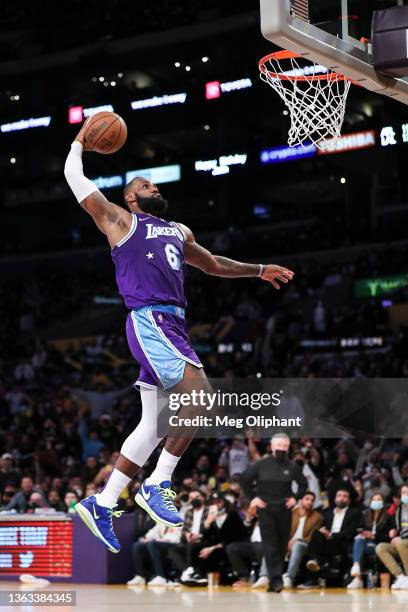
(105,132)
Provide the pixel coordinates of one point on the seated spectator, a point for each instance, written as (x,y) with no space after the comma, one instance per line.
(377,485)
(8,494)
(8,474)
(243,553)
(90,489)
(340,524)
(70,499)
(376,527)
(191,534)
(397,549)
(55,501)
(154,547)
(222,526)
(36,502)
(21,499)
(305,521)
(345,480)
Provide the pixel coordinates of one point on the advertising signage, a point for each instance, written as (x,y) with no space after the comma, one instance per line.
(38,547)
(373,287)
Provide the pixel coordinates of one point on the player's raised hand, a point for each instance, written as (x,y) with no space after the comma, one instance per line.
(80,137)
(272,274)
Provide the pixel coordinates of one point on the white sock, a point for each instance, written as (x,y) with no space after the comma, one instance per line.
(164,468)
(117,481)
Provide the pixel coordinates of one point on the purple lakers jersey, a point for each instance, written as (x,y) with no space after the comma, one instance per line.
(150,264)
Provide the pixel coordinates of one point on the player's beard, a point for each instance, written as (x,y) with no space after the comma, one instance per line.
(153,205)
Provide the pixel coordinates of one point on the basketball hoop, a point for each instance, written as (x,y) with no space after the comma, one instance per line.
(315,96)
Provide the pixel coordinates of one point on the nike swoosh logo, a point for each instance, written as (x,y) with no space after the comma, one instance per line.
(94,513)
(145,218)
(145,496)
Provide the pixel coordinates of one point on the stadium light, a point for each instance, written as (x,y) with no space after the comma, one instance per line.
(75,114)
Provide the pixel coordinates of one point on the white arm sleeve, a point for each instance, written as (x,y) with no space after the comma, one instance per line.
(81,186)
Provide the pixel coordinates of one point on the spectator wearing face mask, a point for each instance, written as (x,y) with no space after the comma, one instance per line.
(375,529)
(397,550)
(36,502)
(243,553)
(340,524)
(8,494)
(222,526)
(377,485)
(274,499)
(182,554)
(21,499)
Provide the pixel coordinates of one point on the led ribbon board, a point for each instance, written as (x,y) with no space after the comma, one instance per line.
(38,547)
(26,124)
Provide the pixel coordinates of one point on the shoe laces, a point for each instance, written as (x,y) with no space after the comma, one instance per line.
(114,513)
(168,496)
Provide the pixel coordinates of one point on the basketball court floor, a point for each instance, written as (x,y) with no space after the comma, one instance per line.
(112,598)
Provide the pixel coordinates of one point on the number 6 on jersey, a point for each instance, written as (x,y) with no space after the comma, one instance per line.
(173,256)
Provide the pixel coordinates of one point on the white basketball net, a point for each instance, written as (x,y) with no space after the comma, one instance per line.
(316,106)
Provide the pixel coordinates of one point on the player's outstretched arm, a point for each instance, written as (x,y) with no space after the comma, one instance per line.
(216,265)
(110,218)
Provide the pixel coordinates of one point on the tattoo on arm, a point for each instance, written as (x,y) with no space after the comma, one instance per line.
(231,268)
(102,211)
(216,265)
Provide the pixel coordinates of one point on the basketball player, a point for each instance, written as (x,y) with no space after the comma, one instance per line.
(150,254)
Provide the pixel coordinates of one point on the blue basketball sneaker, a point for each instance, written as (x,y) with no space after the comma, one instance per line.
(158,501)
(99,520)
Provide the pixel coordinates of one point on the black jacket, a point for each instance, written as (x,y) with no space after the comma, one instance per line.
(382,529)
(273,481)
(232,530)
(351,522)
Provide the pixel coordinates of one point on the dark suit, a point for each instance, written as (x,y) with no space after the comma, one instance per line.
(322,548)
(274,485)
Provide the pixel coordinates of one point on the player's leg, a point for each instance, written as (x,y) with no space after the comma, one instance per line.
(194,380)
(97,510)
(155,495)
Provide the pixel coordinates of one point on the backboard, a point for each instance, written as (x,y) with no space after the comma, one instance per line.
(333,33)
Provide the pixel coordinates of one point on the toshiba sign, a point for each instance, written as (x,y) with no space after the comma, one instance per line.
(348,142)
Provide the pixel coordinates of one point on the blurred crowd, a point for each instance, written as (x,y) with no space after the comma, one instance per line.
(263,330)
(67,405)
(363,479)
